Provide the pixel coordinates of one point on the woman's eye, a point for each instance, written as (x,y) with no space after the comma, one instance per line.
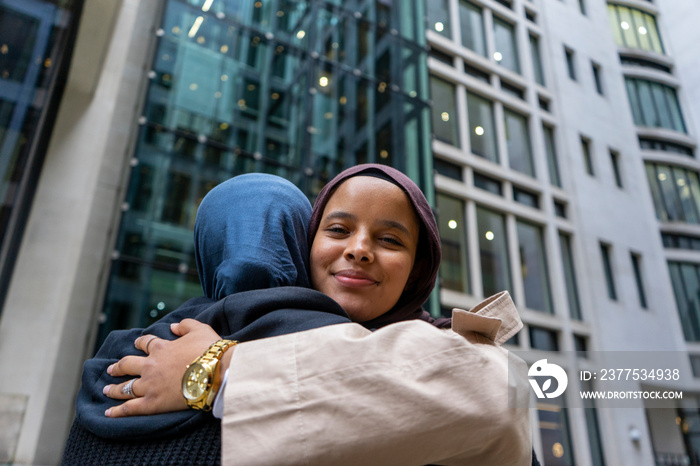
(392,241)
(336,229)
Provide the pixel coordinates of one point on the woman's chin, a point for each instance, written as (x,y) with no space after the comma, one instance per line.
(360,315)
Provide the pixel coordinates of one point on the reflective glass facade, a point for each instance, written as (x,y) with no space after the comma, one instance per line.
(35,41)
(301,89)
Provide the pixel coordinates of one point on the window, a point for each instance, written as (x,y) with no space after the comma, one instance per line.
(482,129)
(633,28)
(615,162)
(597,78)
(493,251)
(637,268)
(594,439)
(36,46)
(555,431)
(543,339)
(685,278)
(477,73)
(676,193)
(608,270)
(560,209)
(445,125)
(587,156)
(626,60)
(506,51)
(695,365)
(454,269)
(654,104)
(570,63)
(536,59)
(518,143)
(513,90)
(580,345)
(531,16)
(448,169)
(570,276)
(506,3)
(550,149)
(681,241)
(487,184)
(582,6)
(472,27)
(533,266)
(666,146)
(441,56)
(525,197)
(438,16)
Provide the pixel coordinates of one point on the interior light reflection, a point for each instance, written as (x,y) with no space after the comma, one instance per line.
(195,27)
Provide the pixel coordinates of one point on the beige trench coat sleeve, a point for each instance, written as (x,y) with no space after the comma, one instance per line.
(406,394)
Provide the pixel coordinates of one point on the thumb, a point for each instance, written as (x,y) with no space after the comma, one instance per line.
(184,327)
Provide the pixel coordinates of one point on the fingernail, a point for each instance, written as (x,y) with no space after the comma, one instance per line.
(108,412)
(109,369)
(106,389)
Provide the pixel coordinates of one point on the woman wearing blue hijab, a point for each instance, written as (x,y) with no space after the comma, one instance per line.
(252,260)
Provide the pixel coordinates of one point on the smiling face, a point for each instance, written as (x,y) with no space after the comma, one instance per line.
(365,247)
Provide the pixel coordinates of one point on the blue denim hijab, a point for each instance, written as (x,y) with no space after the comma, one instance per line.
(250,234)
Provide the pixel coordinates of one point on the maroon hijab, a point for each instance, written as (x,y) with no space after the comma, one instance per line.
(428,252)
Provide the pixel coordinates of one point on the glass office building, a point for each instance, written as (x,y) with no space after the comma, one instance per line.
(36,39)
(300,89)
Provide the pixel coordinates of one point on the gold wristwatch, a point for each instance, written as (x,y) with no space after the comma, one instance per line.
(202,379)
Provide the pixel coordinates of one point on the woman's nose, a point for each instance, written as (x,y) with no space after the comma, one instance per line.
(359,249)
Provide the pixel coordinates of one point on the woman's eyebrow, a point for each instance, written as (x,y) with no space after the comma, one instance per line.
(339,214)
(398,225)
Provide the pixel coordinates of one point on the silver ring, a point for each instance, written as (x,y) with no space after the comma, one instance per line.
(145,350)
(128,389)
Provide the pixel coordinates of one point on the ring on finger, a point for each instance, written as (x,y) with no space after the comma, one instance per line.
(128,389)
(145,349)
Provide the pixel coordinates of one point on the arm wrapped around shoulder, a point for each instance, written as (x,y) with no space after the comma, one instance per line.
(406,394)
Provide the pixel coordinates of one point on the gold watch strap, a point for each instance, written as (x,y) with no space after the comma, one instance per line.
(217,349)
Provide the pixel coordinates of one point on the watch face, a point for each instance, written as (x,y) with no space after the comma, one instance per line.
(195,382)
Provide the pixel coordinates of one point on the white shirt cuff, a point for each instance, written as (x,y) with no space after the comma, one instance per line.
(218,408)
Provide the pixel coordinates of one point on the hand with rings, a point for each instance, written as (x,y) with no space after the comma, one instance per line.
(156,386)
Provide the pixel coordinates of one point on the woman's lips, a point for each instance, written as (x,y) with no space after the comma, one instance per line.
(354,279)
